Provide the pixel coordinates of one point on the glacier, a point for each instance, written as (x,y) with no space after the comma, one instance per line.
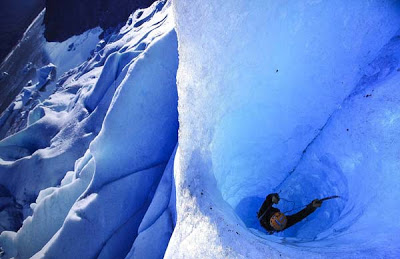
(163,138)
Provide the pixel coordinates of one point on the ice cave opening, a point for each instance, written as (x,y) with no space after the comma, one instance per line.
(303,105)
(350,155)
(246,178)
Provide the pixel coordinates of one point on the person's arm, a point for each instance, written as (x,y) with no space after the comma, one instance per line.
(269,200)
(299,216)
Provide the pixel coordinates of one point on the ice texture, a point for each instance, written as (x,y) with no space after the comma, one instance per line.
(297,98)
(91,154)
(33,52)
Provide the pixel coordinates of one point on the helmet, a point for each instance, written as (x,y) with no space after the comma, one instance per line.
(278,221)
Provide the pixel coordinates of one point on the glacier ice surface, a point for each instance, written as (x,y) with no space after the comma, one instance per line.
(297,98)
(300,98)
(119,123)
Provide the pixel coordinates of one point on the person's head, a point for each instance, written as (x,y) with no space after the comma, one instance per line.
(278,221)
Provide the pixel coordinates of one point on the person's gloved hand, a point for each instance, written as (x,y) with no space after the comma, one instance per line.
(275,198)
(316,203)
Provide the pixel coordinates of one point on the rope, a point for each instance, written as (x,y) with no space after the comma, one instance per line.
(287,200)
(303,206)
(294,203)
(300,207)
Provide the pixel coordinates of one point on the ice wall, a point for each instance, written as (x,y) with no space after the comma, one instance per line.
(34,52)
(95,155)
(297,97)
(36,130)
(14,19)
(277,97)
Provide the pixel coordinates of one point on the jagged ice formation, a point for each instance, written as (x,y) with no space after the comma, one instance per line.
(300,98)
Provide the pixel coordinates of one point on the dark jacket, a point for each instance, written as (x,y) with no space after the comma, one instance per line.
(266,211)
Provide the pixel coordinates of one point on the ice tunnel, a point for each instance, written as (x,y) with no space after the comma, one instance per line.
(299,98)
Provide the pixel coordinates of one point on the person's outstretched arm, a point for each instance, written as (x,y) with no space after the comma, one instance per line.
(299,216)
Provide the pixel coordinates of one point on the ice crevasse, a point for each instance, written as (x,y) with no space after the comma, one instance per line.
(98,184)
(297,97)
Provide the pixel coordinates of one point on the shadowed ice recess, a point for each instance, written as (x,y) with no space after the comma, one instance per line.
(298,97)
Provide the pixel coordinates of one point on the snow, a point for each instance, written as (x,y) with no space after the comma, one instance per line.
(92,153)
(107,208)
(299,98)
(266,93)
(34,52)
(72,52)
(158,223)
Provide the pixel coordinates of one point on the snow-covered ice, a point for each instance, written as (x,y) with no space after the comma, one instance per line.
(299,97)
(34,52)
(129,117)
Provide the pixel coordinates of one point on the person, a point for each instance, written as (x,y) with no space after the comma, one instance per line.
(273,220)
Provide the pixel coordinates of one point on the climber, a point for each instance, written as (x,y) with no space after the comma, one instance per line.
(274,221)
